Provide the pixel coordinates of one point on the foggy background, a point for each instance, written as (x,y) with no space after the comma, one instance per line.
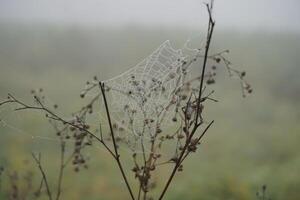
(58,45)
(276,15)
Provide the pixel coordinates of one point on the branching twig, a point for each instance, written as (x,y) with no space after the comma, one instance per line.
(54,116)
(38,162)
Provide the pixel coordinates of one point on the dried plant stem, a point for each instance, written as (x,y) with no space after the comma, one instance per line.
(196,123)
(211,25)
(61,169)
(38,162)
(139,193)
(117,155)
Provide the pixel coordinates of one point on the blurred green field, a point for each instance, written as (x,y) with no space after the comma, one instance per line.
(254,141)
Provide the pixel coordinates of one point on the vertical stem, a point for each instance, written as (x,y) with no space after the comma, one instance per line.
(62,167)
(145,195)
(139,193)
(196,124)
(117,156)
(208,41)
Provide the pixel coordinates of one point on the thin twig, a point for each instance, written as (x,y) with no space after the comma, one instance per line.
(38,162)
(62,167)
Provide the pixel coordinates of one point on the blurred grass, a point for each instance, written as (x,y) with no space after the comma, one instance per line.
(253,142)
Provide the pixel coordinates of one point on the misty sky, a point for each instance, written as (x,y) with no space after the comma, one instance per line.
(238,14)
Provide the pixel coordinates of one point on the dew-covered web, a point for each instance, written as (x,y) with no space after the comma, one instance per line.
(142,100)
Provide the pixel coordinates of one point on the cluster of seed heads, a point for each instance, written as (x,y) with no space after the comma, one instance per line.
(20,185)
(75,129)
(81,140)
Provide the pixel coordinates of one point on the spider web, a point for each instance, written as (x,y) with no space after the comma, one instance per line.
(143,99)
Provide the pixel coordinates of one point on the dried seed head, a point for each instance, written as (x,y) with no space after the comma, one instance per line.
(210,81)
(169,137)
(180,136)
(180,168)
(185,129)
(192,148)
(174,159)
(184,97)
(126,107)
(135,169)
(152,167)
(243,73)
(158,130)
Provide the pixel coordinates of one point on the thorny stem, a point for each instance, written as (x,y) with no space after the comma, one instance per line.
(38,162)
(117,155)
(196,124)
